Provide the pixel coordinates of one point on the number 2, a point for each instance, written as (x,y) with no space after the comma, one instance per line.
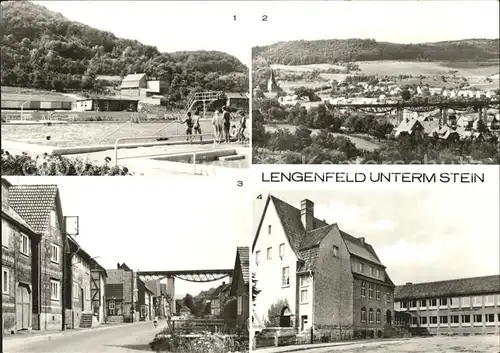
(264,18)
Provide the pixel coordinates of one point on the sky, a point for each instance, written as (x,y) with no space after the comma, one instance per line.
(211,25)
(155,224)
(420,236)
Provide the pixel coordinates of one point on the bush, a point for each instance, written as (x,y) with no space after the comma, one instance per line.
(50,165)
(213,343)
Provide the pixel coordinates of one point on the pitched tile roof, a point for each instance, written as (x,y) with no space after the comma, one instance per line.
(462,286)
(220,289)
(303,242)
(244,255)
(114,291)
(33,203)
(10,213)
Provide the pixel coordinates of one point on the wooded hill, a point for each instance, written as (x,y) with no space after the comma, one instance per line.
(43,49)
(332,51)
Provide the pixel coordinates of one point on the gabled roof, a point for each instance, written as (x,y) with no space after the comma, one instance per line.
(11,215)
(244,256)
(132,80)
(220,289)
(305,244)
(34,204)
(114,291)
(455,287)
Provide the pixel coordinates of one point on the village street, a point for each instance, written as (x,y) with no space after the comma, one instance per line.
(126,338)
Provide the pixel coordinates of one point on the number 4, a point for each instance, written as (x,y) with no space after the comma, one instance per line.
(259,197)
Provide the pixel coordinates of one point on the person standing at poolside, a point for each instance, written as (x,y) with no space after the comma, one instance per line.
(243,126)
(226,118)
(216,123)
(189,130)
(197,126)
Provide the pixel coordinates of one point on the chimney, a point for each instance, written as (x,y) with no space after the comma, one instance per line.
(362,240)
(117,265)
(307,214)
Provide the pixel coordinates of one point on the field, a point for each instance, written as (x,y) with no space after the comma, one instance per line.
(359,142)
(90,133)
(291,85)
(415,68)
(306,68)
(438,344)
(20,93)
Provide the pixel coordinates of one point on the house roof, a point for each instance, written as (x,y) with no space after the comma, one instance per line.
(455,287)
(244,256)
(110,98)
(305,244)
(114,291)
(79,251)
(132,80)
(34,203)
(220,289)
(236,95)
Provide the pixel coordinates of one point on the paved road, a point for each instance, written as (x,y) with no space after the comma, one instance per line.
(132,338)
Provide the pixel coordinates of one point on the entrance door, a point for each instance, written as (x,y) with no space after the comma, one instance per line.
(285,317)
(23,307)
(303,322)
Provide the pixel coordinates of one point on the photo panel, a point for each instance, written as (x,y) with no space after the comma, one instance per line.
(125,264)
(84,93)
(357,257)
(385,88)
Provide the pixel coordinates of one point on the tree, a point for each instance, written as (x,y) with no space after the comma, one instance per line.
(303,138)
(274,312)
(188,301)
(255,290)
(405,94)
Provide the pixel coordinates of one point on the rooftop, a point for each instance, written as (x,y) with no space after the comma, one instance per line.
(454,287)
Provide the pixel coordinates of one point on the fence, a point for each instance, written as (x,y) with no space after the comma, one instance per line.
(194,326)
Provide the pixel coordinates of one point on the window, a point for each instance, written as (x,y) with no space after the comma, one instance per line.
(361,267)
(378,315)
(303,296)
(363,314)
(403,304)
(465,319)
(5,233)
(465,302)
(423,320)
(370,315)
(269,253)
(478,301)
(257,256)
(269,230)
(377,293)
(75,291)
(112,307)
(433,302)
(454,319)
(433,320)
(304,281)
(377,273)
(285,278)
(414,321)
(478,318)
(54,253)
(24,245)
(454,302)
(388,297)
(5,281)
(413,303)
(335,251)
(372,271)
(443,319)
(443,301)
(363,289)
(53,222)
(370,291)
(282,250)
(423,303)
(489,317)
(498,299)
(54,289)
(489,300)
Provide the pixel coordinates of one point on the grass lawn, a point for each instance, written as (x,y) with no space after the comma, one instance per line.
(360,143)
(438,344)
(389,67)
(89,134)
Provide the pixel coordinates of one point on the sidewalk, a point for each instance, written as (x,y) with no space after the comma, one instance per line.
(306,347)
(36,336)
